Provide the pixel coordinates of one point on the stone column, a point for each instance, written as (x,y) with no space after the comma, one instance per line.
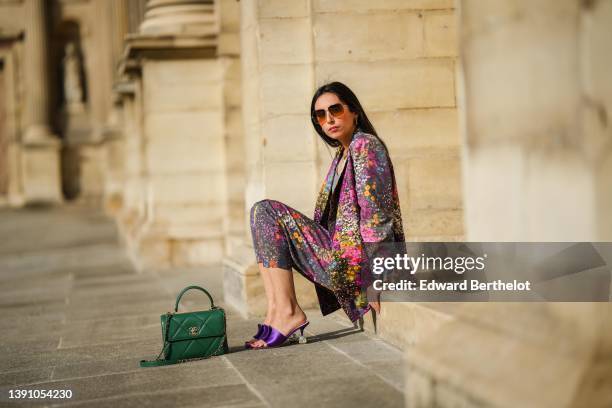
(180,17)
(135,12)
(114,137)
(535,96)
(182,112)
(120,21)
(41,169)
(36,73)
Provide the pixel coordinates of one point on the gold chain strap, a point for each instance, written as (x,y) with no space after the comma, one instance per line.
(204,358)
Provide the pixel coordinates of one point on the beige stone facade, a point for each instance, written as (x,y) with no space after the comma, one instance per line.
(496,114)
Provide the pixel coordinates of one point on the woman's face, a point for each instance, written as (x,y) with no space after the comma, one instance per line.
(339,126)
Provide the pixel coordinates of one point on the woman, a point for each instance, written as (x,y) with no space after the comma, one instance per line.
(358,203)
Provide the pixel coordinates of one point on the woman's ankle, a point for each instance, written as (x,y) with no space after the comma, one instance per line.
(270,314)
(289,312)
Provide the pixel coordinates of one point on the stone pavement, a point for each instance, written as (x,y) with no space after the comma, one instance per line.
(75,315)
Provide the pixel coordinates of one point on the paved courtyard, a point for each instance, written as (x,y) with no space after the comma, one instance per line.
(76,316)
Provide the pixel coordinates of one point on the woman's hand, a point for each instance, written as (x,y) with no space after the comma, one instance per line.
(375,296)
(375,306)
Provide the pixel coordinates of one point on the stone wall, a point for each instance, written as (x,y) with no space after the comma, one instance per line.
(399,58)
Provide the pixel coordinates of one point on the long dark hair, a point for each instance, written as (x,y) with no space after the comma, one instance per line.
(346,96)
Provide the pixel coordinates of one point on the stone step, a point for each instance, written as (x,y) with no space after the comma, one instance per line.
(497,354)
(530,357)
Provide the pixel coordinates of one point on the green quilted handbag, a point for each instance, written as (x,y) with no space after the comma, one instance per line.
(192,335)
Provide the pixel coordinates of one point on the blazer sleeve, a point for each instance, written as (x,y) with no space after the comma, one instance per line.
(374,189)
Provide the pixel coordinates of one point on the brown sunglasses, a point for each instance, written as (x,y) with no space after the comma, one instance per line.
(336,110)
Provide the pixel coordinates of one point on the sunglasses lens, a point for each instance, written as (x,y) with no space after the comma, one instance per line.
(320,115)
(336,110)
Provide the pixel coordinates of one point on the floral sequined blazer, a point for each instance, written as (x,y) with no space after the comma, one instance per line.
(368,211)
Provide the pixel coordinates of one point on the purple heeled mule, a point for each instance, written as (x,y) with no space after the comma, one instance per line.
(262,331)
(275,338)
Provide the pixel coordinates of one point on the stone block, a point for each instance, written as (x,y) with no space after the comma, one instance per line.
(400,167)
(183,97)
(253,142)
(405,324)
(595,72)
(395,84)
(292,183)
(92,171)
(234,222)
(385,36)
(232,90)
(234,141)
(500,85)
(336,383)
(545,197)
(235,185)
(434,184)
(180,85)
(184,142)
(604,201)
(114,153)
(133,193)
(408,132)
(529,346)
(133,150)
(434,225)
(283,9)
(285,41)
(229,12)
(149,252)
(228,44)
(186,252)
(440,32)
(176,72)
(286,89)
(486,195)
(194,230)
(288,138)
(237,276)
(325,155)
(15,193)
(364,6)
(419,389)
(13,16)
(243,287)
(596,109)
(187,188)
(41,174)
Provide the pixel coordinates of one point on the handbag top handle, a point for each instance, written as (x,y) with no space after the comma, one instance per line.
(178,298)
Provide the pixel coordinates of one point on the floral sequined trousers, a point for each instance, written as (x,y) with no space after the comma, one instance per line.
(285,238)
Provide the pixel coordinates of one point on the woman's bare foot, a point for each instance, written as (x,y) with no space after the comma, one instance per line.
(284,321)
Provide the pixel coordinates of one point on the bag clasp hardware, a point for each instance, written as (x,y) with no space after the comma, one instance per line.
(193,331)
